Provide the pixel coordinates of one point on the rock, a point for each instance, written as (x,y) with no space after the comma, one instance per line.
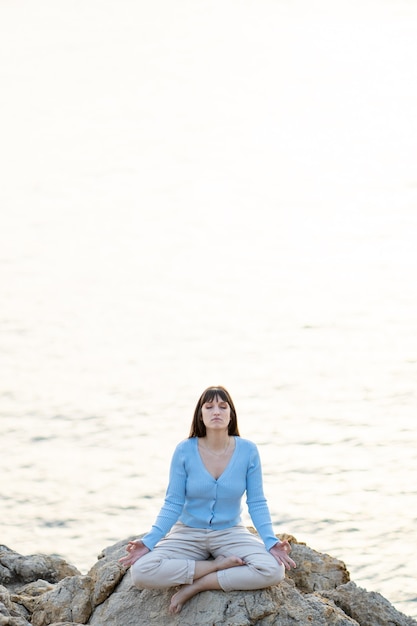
(367,607)
(5,600)
(8,608)
(16,569)
(29,593)
(70,600)
(317,593)
(132,607)
(315,571)
(283,605)
(105,576)
(10,618)
(8,615)
(75,598)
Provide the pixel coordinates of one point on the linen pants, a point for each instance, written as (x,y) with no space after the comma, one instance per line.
(172,561)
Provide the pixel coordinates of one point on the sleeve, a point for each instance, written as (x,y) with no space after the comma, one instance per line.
(174,501)
(256,501)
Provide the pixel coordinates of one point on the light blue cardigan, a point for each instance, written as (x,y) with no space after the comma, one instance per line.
(198,500)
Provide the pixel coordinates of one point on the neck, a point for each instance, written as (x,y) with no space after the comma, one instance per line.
(216,440)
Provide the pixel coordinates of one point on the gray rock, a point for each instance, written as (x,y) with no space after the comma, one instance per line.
(367,607)
(70,600)
(16,569)
(315,571)
(283,605)
(317,593)
(8,615)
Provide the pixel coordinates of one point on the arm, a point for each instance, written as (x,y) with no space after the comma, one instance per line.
(174,501)
(168,515)
(256,501)
(259,512)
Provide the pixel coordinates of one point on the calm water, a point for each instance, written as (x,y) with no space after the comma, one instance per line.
(204,193)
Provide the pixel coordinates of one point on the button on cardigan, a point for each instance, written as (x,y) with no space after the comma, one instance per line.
(195,498)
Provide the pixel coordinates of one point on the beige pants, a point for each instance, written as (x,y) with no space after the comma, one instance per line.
(172,561)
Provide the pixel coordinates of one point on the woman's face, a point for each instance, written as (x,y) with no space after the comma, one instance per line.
(216,414)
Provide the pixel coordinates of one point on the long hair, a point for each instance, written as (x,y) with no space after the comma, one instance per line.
(198,428)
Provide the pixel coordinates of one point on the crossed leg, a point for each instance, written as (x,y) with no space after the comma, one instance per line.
(240,561)
(205,578)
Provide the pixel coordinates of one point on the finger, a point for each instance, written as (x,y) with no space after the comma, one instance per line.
(132,546)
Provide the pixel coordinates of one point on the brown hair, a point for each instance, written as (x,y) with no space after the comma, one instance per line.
(198,428)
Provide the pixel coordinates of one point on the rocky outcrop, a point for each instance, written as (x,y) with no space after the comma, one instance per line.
(16,569)
(46,591)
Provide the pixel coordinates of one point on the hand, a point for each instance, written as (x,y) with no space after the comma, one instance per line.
(280,552)
(136,550)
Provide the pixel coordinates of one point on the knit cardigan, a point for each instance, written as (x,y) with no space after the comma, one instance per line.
(195,498)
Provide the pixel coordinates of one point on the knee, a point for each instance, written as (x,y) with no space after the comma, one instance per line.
(142,574)
(272,574)
(277,574)
(267,573)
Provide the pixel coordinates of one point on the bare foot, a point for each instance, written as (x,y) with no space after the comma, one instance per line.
(224,562)
(204,583)
(180,598)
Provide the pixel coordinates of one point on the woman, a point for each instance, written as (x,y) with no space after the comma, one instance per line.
(198,540)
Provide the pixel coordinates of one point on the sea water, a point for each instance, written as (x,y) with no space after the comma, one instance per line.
(210,193)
